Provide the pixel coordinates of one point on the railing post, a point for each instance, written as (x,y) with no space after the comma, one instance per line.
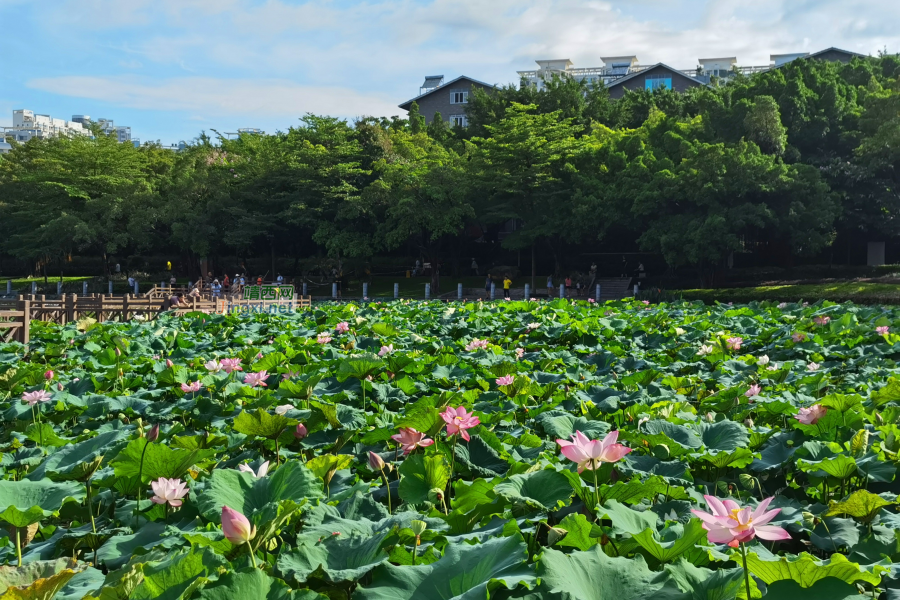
(597,293)
(59,288)
(71,304)
(459,291)
(334,290)
(396,291)
(84,288)
(25,334)
(635,290)
(125,307)
(136,287)
(34,288)
(527,291)
(304,290)
(365,290)
(110,287)
(9,287)
(562,289)
(493,285)
(427,291)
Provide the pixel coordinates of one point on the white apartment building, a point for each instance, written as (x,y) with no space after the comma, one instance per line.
(27,125)
(614,68)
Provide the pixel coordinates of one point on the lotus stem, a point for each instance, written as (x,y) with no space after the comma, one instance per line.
(746,570)
(252,555)
(137,508)
(90,506)
(387,486)
(18,547)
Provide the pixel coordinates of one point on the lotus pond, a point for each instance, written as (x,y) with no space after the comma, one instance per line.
(423,450)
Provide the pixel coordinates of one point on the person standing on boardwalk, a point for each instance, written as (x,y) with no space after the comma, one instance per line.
(550,286)
(507,282)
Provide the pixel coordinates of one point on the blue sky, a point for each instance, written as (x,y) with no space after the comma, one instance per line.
(173,68)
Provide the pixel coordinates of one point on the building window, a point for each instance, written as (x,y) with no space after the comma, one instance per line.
(655,82)
(458,120)
(459,97)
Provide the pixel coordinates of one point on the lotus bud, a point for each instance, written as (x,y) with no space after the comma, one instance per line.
(153,434)
(300,432)
(375,461)
(121,417)
(169,364)
(809,519)
(879,418)
(60,387)
(710,417)
(117,351)
(48,374)
(555,534)
(748,422)
(236,527)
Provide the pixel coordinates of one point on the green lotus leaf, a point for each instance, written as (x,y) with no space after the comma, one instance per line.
(340,557)
(419,474)
(592,575)
(262,424)
(244,493)
(861,504)
(544,490)
(465,572)
(254,585)
(806,570)
(25,502)
(178,575)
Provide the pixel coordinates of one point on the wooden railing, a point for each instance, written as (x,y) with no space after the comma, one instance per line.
(15,315)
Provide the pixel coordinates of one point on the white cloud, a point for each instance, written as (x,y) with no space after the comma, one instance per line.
(213,97)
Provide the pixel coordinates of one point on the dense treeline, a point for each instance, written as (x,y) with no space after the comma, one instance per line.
(787,160)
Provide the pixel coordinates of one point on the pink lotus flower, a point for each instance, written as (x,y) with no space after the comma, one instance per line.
(259,473)
(590,454)
(168,490)
(300,432)
(753,391)
(520,352)
(811,415)
(508,380)
(282,409)
(821,320)
(48,375)
(812,366)
(323,338)
(386,350)
(33,398)
(476,344)
(591,300)
(256,379)
(798,337)
(236,527)
(214,366)
(290,374)
(232,364)
(376,463)
(782,305)
(410,439)
(458,421)
(730,524)
(191,388)
(342,327)
(734,343)
(883,330)
(533,326)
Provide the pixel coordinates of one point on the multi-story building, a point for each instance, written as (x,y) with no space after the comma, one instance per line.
(449,99)
(27,125)
(621,73)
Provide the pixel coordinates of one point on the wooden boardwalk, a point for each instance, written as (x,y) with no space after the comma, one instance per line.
(15,315)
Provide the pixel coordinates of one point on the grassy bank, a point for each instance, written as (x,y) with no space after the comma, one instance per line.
(842,291)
